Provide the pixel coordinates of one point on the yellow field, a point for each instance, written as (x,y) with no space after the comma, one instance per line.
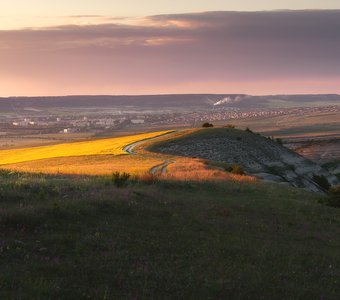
(104,156)
(88,165)
(110,146)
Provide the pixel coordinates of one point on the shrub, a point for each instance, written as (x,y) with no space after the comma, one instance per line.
(334,196)
(248,130)
(279,141)
(207,125)
(236,169)
(230,126)
(322,182)
(120,179)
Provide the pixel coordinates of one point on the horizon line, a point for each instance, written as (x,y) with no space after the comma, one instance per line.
(169,94)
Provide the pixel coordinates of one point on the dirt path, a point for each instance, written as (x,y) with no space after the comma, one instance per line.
(158,169)
(161,168)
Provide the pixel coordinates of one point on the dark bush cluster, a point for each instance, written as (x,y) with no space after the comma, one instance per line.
(120,179)
(207,125)
(279,141)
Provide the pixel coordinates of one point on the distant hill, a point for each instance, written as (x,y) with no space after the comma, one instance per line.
(203,101)
(147,101)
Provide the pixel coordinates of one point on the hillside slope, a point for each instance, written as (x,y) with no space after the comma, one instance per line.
(256,154)
(83,238)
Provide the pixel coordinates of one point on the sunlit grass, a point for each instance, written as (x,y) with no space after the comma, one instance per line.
(110,146)
(95,158)
(190,169)
(89,165)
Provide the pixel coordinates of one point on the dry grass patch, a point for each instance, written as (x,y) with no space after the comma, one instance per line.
(192,169)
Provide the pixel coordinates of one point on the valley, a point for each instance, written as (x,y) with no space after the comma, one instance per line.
(178,211)
(164,150)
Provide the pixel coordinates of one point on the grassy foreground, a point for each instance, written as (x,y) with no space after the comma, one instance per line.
(83,238)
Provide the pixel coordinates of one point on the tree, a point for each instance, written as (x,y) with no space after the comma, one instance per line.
(207,125)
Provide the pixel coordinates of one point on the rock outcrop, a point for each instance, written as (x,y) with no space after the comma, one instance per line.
(259,156)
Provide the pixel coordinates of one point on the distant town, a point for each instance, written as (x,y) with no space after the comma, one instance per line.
(97,121)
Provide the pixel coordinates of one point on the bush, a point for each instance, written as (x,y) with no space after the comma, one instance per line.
(322,182)
(120,179)
(248,130)
(236,169)
(279,141)
(207,125)
(334,196)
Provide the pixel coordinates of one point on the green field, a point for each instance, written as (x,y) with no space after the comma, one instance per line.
(83,238)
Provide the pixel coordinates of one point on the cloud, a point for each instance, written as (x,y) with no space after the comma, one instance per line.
(169,50)
(284,27)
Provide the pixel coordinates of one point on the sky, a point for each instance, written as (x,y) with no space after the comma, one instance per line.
(156,47)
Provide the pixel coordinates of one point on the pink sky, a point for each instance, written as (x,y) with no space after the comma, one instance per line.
(215,52)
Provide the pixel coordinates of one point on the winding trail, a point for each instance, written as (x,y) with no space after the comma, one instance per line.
(161,168)
(158,169)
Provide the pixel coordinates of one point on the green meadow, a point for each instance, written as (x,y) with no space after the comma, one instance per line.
(79,237)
